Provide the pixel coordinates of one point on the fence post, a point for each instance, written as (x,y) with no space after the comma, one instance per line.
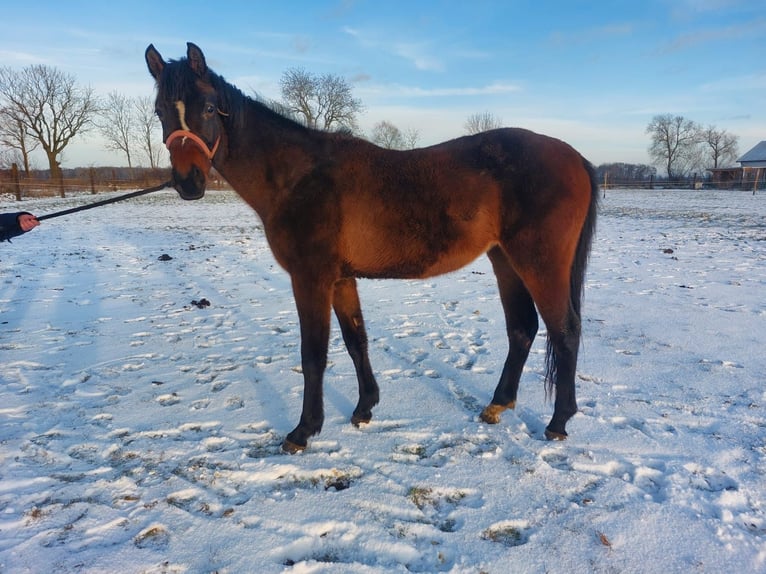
(16,182)
(92,173)
(59,175)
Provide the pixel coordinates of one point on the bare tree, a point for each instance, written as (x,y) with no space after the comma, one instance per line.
(387,135)
(8,157)
(118,124)
(14,136)
(324,102)
(51,106)
(146,130)
(411,138)
(723,146)
(482,122)
(298,89)
(674,144)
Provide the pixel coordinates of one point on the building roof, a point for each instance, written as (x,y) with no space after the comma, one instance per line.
(756,157)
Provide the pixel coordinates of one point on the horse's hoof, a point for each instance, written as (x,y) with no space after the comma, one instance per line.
(491,413)
(358,421)
(551,435)
(291,448)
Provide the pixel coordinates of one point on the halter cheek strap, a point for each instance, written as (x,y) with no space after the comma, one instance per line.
(186,134)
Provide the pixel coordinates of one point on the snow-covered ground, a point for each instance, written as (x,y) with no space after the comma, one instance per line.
(140,432)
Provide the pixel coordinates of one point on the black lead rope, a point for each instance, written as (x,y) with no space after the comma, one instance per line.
(105,201)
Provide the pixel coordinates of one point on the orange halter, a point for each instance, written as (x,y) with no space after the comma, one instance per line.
(196,139)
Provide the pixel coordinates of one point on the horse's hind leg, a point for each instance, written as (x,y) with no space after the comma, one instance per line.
(521,325)
(563,346)
(349,314)
(551,292)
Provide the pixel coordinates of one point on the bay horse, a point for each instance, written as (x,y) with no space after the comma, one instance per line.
(335,208)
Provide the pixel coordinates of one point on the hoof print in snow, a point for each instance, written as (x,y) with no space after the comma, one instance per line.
(168,399)
(509,533)
(155,536)
(338,483)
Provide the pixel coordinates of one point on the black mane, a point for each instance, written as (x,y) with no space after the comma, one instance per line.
(178,79)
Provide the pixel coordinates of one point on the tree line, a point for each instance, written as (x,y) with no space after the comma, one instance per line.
(683,147)
(44,108)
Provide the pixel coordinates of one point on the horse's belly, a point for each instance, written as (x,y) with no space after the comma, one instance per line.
(412,258)
(452,261)
(406,244)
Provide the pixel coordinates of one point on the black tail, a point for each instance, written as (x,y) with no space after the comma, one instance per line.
(580,263)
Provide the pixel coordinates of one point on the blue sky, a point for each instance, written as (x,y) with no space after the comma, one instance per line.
(592,74)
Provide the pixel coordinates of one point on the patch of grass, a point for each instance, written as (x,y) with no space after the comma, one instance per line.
(424,496)
(421,496)
(506,534)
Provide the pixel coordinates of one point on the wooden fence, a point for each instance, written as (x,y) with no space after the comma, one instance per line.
(751,182)
(13,183)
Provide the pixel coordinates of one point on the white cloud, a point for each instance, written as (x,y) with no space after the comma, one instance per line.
(417,55)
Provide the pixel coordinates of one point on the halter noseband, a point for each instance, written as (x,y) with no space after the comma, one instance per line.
(196,139)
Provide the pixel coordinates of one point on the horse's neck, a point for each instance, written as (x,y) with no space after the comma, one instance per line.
(268,155)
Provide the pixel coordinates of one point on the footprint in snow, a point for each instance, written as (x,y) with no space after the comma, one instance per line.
(168,399)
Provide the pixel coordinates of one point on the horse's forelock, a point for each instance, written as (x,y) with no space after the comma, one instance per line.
(178,80)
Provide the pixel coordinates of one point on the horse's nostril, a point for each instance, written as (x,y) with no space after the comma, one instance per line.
(198,175)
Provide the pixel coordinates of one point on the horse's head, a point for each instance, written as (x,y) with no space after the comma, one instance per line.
(188,108)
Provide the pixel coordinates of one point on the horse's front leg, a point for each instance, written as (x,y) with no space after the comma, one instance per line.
(349,314)
(312,298)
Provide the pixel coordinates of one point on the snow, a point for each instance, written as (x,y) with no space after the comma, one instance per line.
(140,433)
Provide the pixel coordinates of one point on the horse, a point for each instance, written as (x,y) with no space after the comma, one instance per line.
(335,207)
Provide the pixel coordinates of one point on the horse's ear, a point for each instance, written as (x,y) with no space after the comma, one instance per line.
(196,59)
(154,61)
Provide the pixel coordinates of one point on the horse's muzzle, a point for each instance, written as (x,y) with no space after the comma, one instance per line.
(192,185)
(191,160)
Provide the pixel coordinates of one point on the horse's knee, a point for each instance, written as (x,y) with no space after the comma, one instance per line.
(520,340)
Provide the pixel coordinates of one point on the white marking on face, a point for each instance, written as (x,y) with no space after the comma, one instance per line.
(182,115)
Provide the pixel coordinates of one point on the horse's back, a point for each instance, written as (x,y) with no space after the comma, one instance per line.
(433,210)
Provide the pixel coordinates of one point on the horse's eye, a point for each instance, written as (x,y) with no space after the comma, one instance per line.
(209,108)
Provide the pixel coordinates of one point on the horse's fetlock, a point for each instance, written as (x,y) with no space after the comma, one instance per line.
(491,413)
(553,435)
(361,419)
(292,448)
